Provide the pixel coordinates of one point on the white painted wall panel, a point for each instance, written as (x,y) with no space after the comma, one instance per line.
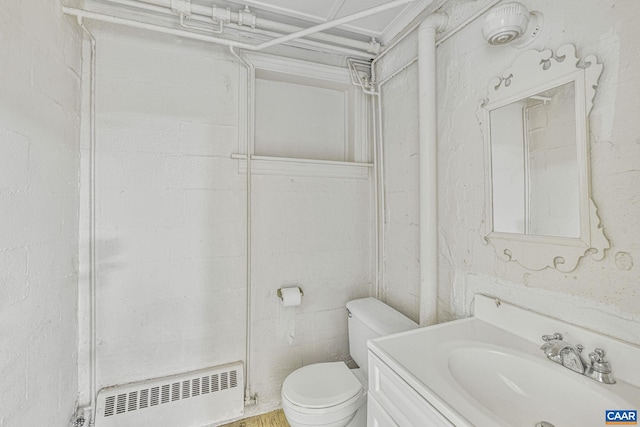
(313,233)
(305,122)
(39,165)
(171,227)
(170,209)
(401,277)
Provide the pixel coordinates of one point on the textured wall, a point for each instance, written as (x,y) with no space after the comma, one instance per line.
(401,267)
(39,163)
(315,233)
(601,295)
(169,210)
(171,226)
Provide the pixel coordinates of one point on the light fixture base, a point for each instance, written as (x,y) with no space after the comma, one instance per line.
(536,22)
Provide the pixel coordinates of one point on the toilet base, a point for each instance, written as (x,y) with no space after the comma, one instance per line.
(360,420)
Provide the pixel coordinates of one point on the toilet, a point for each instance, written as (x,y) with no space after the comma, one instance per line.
(331,394)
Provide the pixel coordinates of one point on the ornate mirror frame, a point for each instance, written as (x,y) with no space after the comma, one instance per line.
(534,72)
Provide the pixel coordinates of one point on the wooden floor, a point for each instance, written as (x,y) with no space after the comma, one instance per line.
(270,419)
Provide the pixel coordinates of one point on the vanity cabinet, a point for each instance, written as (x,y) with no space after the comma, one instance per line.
(394,403)
(488,371)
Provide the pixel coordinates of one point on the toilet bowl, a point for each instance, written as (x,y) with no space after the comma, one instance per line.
(326,395)
(331,394)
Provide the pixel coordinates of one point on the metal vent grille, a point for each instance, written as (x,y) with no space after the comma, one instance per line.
(155,396)
(215,383)
(144,398)
(233,379)
(209,396)
(133,401)
(224,380)
(109,406)
(120,405)
(170,392)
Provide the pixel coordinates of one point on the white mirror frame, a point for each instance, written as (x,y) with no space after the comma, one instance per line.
(534,72)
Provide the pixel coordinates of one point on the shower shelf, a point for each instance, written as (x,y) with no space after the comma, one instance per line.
(267,165)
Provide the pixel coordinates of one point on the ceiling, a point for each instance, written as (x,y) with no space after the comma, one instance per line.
(354,37)
(304,13)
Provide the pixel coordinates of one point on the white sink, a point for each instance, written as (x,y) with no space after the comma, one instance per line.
(522,390)
(476,372)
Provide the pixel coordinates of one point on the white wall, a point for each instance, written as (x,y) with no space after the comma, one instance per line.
(315,233)
(604,295)
(318,131)
(401,266)
(39,164)
(171,226)
(170,210)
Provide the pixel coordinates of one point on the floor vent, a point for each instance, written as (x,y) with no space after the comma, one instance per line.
(195,399)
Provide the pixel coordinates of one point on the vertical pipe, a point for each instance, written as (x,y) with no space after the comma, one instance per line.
(250,135)
(381,192)
(92,224)
(428,213)
(376,200)
(396,41)
(427,102)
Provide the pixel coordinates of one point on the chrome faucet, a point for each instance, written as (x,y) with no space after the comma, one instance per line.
(562,352)
(570,357)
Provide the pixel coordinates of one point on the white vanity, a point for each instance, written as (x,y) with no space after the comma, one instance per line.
(489,370)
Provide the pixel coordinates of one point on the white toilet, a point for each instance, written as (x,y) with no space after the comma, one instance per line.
(331,394)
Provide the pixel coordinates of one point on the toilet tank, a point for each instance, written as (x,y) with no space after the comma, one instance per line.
(368,319)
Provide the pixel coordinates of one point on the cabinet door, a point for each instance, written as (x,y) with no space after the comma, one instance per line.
(376,416)
(399,400)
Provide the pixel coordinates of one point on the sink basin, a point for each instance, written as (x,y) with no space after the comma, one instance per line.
(522,390)
(489,371)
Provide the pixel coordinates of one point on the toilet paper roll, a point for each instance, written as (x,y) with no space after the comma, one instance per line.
(291,297)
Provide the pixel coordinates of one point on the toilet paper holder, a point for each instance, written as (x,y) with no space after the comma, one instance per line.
(279,292)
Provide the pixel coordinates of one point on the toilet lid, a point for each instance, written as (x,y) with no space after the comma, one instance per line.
(321,385)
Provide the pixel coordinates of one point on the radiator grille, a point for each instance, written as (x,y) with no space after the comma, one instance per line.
(109,406)
(144,398)
(170,392)
(155,396)
(234,379)
(224,377)
(120,406)
(133,401)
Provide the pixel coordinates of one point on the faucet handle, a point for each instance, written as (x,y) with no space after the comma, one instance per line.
(599,361)
(598,356)
(556,336)
(599,353)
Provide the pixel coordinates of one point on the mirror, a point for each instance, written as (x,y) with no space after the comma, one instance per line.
(535,165)
(535,126)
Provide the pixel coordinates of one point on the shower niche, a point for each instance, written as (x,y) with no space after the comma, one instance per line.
(309,120)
